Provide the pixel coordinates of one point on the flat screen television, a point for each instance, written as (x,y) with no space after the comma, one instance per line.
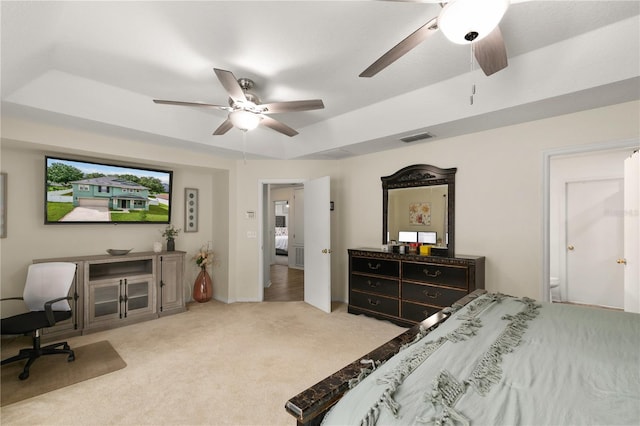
(93,191)
(428,237)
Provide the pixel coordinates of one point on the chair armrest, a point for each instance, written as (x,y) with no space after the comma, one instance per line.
(48,310)
(11,298)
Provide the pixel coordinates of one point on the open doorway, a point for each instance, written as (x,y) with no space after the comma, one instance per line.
(311,217)
(283,243)
(583,224)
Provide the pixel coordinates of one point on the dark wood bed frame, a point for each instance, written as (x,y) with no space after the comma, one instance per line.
(310,406)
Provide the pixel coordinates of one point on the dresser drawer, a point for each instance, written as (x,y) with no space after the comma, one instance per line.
(383,286)
(432,295)
(436,274)
(417,312)
(367,265)
(372,302)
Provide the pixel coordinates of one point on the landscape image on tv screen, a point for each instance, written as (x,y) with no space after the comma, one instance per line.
(96,192)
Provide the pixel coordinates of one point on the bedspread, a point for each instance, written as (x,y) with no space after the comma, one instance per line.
(282,242)
(504,361)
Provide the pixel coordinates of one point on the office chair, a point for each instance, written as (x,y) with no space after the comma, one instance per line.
(46,294)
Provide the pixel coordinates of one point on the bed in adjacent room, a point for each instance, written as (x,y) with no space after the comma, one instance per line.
(496,360)
(282,241)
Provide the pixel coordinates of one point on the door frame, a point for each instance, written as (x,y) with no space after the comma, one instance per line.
(264,204)
(546,196)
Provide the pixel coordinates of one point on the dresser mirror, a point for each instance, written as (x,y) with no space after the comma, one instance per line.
(418,205)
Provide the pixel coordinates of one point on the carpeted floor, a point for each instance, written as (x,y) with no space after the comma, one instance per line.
(215,364)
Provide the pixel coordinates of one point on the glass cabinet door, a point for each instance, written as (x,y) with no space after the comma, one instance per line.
(138,296)
(104,301)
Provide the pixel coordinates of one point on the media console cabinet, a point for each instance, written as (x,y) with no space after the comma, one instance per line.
(407,288)
(112,291)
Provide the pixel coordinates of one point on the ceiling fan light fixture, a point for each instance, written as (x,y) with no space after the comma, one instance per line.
(465,21)
(244,120)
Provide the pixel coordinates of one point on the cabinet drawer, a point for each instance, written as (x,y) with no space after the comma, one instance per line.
(436,274)
(432,295)
(367,265)
(417,312)
(383,286)
(372,302)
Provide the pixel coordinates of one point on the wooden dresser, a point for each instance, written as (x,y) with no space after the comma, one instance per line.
(407,288)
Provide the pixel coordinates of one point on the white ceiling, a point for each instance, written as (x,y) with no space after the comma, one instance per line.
(98,65)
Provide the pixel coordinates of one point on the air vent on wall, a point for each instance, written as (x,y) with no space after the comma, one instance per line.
(418,137)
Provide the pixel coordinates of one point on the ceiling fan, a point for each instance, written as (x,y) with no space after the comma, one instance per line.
(246,111)
(462,22)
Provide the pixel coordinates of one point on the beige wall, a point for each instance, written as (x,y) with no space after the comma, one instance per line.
(22,158)
(499,186)
(249,175)
(498,198)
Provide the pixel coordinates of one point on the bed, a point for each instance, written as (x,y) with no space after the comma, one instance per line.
(282,241)
(490,359)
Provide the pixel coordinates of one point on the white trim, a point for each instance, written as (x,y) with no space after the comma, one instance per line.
(546,169)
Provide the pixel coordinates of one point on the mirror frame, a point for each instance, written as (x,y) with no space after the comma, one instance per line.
(419,175)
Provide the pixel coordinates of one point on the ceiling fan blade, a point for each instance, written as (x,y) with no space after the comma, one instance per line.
(417,37)
(196,104)
(230,84)
(277,126)
(223,128)
(491,53)
(292,106)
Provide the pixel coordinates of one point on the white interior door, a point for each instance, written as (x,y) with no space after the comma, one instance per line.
(631,261)
(317,243)
(595,242)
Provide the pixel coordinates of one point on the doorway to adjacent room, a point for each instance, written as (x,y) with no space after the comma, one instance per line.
(583,249)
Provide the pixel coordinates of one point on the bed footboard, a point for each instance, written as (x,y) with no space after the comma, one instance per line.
(310,406)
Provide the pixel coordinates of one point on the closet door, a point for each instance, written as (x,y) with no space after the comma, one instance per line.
(630,263)
(594,242)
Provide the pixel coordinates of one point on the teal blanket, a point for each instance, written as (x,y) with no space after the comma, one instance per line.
(507,361)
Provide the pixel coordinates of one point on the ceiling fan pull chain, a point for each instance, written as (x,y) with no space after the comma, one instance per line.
(471,62)
(244,146)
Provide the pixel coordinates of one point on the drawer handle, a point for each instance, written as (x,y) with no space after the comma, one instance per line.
(373,285)
(374,267)
(377,302)
(435,274)
(432,296)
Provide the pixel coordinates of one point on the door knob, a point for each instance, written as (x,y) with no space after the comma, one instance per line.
(570,247)
(622,261)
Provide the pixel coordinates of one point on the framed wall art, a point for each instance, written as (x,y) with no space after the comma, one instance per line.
(190,210)
(420,214)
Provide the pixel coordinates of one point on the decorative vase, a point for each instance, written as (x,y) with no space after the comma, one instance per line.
(171,244)
(203,287)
